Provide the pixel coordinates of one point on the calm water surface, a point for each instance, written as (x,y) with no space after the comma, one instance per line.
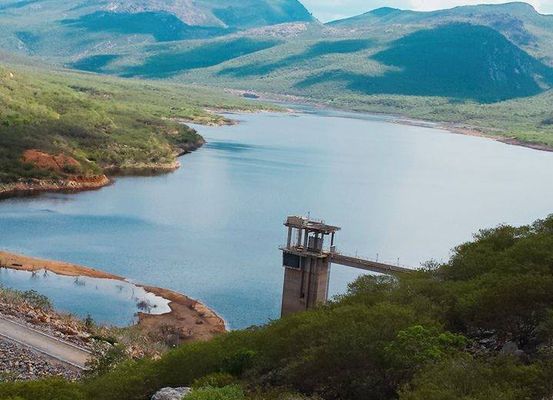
(212,229)
(115,302)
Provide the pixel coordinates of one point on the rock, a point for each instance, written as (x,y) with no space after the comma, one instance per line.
(172,393)
(19,363)
(509,348)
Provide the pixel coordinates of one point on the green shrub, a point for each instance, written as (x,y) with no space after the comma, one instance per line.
(49,389)
(467,378)
(239,362)
(218,379)
(37,300)
(106,360)
(211,393)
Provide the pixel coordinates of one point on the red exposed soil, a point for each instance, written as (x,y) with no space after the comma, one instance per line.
(60,163)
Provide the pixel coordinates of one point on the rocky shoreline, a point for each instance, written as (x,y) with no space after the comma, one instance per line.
(188,321)
(36,186)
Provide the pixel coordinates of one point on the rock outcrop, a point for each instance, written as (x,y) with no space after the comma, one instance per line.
(172,393)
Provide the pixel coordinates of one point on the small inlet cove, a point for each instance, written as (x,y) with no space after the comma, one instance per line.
(211,230)
(114,302)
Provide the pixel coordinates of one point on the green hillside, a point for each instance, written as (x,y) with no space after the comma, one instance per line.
(458,61)
(482,53)
(62,30)
(478,327)
(517,21)
(172,62)
(104,124)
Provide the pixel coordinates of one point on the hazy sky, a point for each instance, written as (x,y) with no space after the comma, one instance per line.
(327,10)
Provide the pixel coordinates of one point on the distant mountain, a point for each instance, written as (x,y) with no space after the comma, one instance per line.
(67,28)
(238,14)
(483,53)
(517,21)
(460,61)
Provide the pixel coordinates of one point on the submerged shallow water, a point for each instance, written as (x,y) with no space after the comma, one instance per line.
(108,301)
(212,229)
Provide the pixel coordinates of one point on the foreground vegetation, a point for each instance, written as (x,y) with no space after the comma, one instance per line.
(478,327)
(104,124)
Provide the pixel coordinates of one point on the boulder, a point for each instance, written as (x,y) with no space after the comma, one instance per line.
(172,393)
(509,348)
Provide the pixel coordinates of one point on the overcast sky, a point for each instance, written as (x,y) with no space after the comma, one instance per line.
(327,10)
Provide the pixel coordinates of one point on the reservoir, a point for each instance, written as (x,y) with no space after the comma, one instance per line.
(212,229)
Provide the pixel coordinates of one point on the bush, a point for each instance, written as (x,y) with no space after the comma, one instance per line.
(50,389)
(211,393)
(215,380)
(105,360)
(466,378)
(37,300)
(239,362)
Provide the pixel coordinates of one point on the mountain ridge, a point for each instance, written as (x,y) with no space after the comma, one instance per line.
(387,11)
(518,21)
(387,59)
(59,29)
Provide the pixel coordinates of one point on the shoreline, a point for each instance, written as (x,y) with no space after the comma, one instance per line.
(192,320)
(81,184)
(77,184)
(400,119)
(37,186)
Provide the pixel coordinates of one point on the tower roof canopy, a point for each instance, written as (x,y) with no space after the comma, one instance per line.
(312,225)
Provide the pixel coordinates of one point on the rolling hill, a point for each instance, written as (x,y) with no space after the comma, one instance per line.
(478,53)
(517,21)
(59,29)
(459,61)
(386,60)
(60,125)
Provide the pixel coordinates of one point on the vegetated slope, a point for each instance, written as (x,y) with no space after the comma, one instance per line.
(65,29)
(473,53)
(459,61)
(517,21)
(527,121)
(175,61)
(82,125)
(478,327)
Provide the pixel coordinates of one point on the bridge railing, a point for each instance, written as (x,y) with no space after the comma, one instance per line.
(375,259)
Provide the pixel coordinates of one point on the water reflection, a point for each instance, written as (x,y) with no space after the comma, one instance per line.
(107,301)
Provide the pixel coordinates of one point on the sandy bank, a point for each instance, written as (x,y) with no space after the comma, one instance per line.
(189,319)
